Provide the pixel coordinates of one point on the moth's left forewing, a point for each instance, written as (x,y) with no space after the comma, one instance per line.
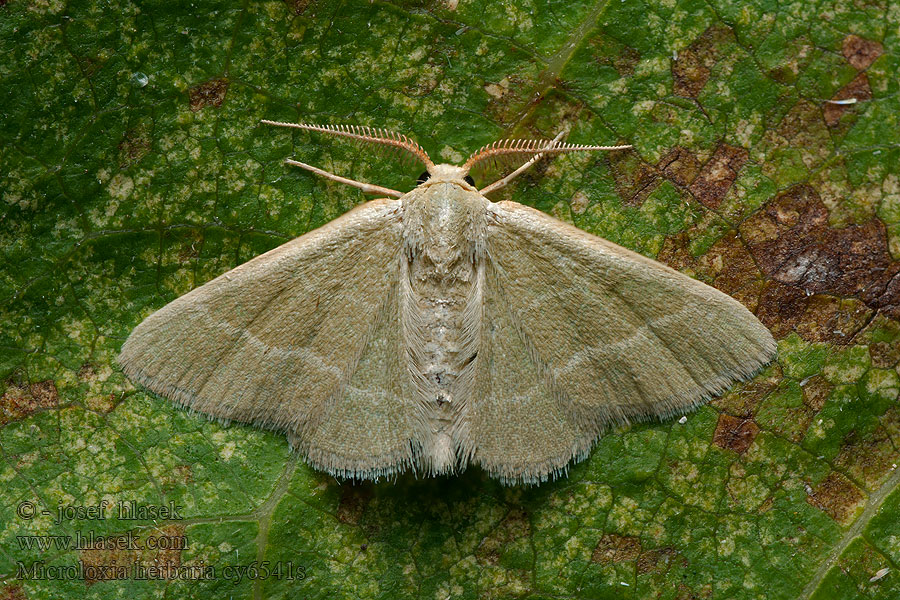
(616,336)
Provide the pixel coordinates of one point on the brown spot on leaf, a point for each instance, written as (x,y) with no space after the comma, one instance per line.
(730,267)
(860,52)
(19,402)
(105,560)
(831,319)
(659,560)
(815,392)
(717,175)
(133,147)
(690,74)
(608,53)
(353,503)
(190,249)
(857,89)
(87,372)
(733,433)
(836,496)
(509,96)
(614,548)
(801,129)
(579,202)
(690,71)
(102,404)
(623,59)
(298,7)
(815,317)
(890,420)
(727,265)
(211,93)
(625,62)
(793,244)
(867,458)
(884,354)
(679,166)
(13,591)
(635,179)
(676,252)
(184,473)
(514,526)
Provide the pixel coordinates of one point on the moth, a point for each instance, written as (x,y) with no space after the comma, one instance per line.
(435,329)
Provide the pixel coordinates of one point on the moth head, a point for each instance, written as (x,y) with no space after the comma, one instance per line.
(447,173)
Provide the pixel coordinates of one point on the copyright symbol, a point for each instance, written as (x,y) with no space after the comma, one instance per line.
(26,510)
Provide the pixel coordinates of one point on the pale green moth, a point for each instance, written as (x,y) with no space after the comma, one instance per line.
(436,329)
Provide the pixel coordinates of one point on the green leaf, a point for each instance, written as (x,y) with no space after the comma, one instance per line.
(134,169)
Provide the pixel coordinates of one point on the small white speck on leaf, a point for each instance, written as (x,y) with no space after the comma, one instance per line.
(140,79)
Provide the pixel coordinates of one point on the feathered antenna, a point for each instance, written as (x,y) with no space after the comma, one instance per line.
(369,135)
(537,148)
(544,147)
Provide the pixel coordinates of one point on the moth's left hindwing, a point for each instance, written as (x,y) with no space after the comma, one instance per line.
(302,339)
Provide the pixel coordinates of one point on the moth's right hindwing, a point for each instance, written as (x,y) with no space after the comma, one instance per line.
(277,342)
(601,335)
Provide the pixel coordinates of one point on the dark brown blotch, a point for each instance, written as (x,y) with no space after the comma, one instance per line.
(717,175)
(614,548)
(20,401)
(733,433)
(791,241)
(730,267)
(211,93)
(679,166)
(860,52)
(87,372)
(837,497)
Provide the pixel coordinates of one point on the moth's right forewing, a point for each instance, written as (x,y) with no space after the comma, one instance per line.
(617,336)
(276,341)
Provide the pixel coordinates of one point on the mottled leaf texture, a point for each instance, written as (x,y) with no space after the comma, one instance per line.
(134,169)
(425,331)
